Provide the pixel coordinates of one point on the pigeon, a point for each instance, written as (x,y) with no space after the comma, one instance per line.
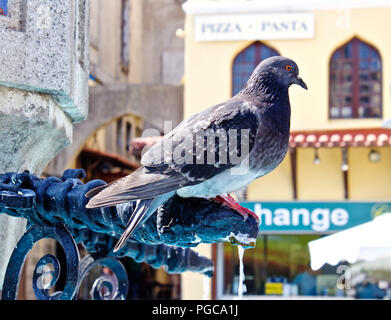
(214,152)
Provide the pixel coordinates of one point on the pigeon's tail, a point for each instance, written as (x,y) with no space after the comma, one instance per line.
(136,186)
(143,211)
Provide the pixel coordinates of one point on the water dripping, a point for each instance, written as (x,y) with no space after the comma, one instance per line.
(241,287)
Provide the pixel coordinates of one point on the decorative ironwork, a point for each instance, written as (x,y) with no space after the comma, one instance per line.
(25,244)
(116,285)
(76,269)
(55,208)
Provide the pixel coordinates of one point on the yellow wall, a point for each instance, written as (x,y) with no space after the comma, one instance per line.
(323,181)
(208,72)
(277,185)
(208,66)
(367,180)
(193,283)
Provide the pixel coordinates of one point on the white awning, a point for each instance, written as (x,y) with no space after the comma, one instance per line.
(367,241)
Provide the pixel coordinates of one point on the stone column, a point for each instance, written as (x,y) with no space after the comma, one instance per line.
(43,90)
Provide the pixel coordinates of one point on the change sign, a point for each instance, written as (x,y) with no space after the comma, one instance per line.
(314,217)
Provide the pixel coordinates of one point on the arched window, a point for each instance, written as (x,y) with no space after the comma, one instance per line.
(246,61)
(355,82)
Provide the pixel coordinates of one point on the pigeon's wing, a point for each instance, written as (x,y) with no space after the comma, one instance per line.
(196,150)
(207,144)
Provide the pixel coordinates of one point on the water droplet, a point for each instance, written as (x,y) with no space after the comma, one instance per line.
(206,288)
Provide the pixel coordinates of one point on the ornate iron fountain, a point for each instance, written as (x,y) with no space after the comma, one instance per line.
(55,208)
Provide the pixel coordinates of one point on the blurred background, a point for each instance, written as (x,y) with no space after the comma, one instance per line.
(163,60)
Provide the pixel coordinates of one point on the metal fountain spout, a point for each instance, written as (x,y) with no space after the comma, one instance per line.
(55,208)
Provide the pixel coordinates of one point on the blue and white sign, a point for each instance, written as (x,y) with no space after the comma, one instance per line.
(314,217)
(254,26)
(3,7)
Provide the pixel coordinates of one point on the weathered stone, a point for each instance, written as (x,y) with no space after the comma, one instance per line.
(113,101)
(44,48)
(36,130)
(43,90)
(33,130)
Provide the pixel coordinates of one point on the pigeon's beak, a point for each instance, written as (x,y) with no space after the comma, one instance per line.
(298,80)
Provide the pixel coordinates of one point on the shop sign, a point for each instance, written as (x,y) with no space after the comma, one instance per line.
(254,26)
(318,217)
(274,288)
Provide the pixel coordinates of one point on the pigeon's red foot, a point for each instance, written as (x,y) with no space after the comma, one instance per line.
(229,201)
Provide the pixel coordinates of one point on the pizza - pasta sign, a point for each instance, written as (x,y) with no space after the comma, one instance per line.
(254,26)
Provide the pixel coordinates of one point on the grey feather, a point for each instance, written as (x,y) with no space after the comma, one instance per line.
(132,224)
(143,211)
(137,186)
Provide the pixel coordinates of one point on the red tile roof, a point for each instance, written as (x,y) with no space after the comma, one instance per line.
(369,137)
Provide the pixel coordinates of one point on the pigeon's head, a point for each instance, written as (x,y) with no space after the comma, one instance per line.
(279,69)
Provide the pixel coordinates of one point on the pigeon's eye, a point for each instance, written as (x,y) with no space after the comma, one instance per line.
(288,67)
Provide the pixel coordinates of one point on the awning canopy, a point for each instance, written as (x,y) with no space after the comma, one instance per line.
(371,137)
(109,157)
(137,144)
(367,241)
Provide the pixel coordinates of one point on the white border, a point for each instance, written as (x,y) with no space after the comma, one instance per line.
(199,7)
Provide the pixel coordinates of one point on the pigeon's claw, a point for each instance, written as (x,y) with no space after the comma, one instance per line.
(229,201)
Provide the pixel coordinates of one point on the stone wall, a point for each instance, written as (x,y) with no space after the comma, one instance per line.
(155,53)
(45,49)
(44,69)
(156,103)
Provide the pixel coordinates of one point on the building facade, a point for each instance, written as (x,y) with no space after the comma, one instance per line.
(337,172)
(136,73)
(133,48)
(136,64)
(43,94)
